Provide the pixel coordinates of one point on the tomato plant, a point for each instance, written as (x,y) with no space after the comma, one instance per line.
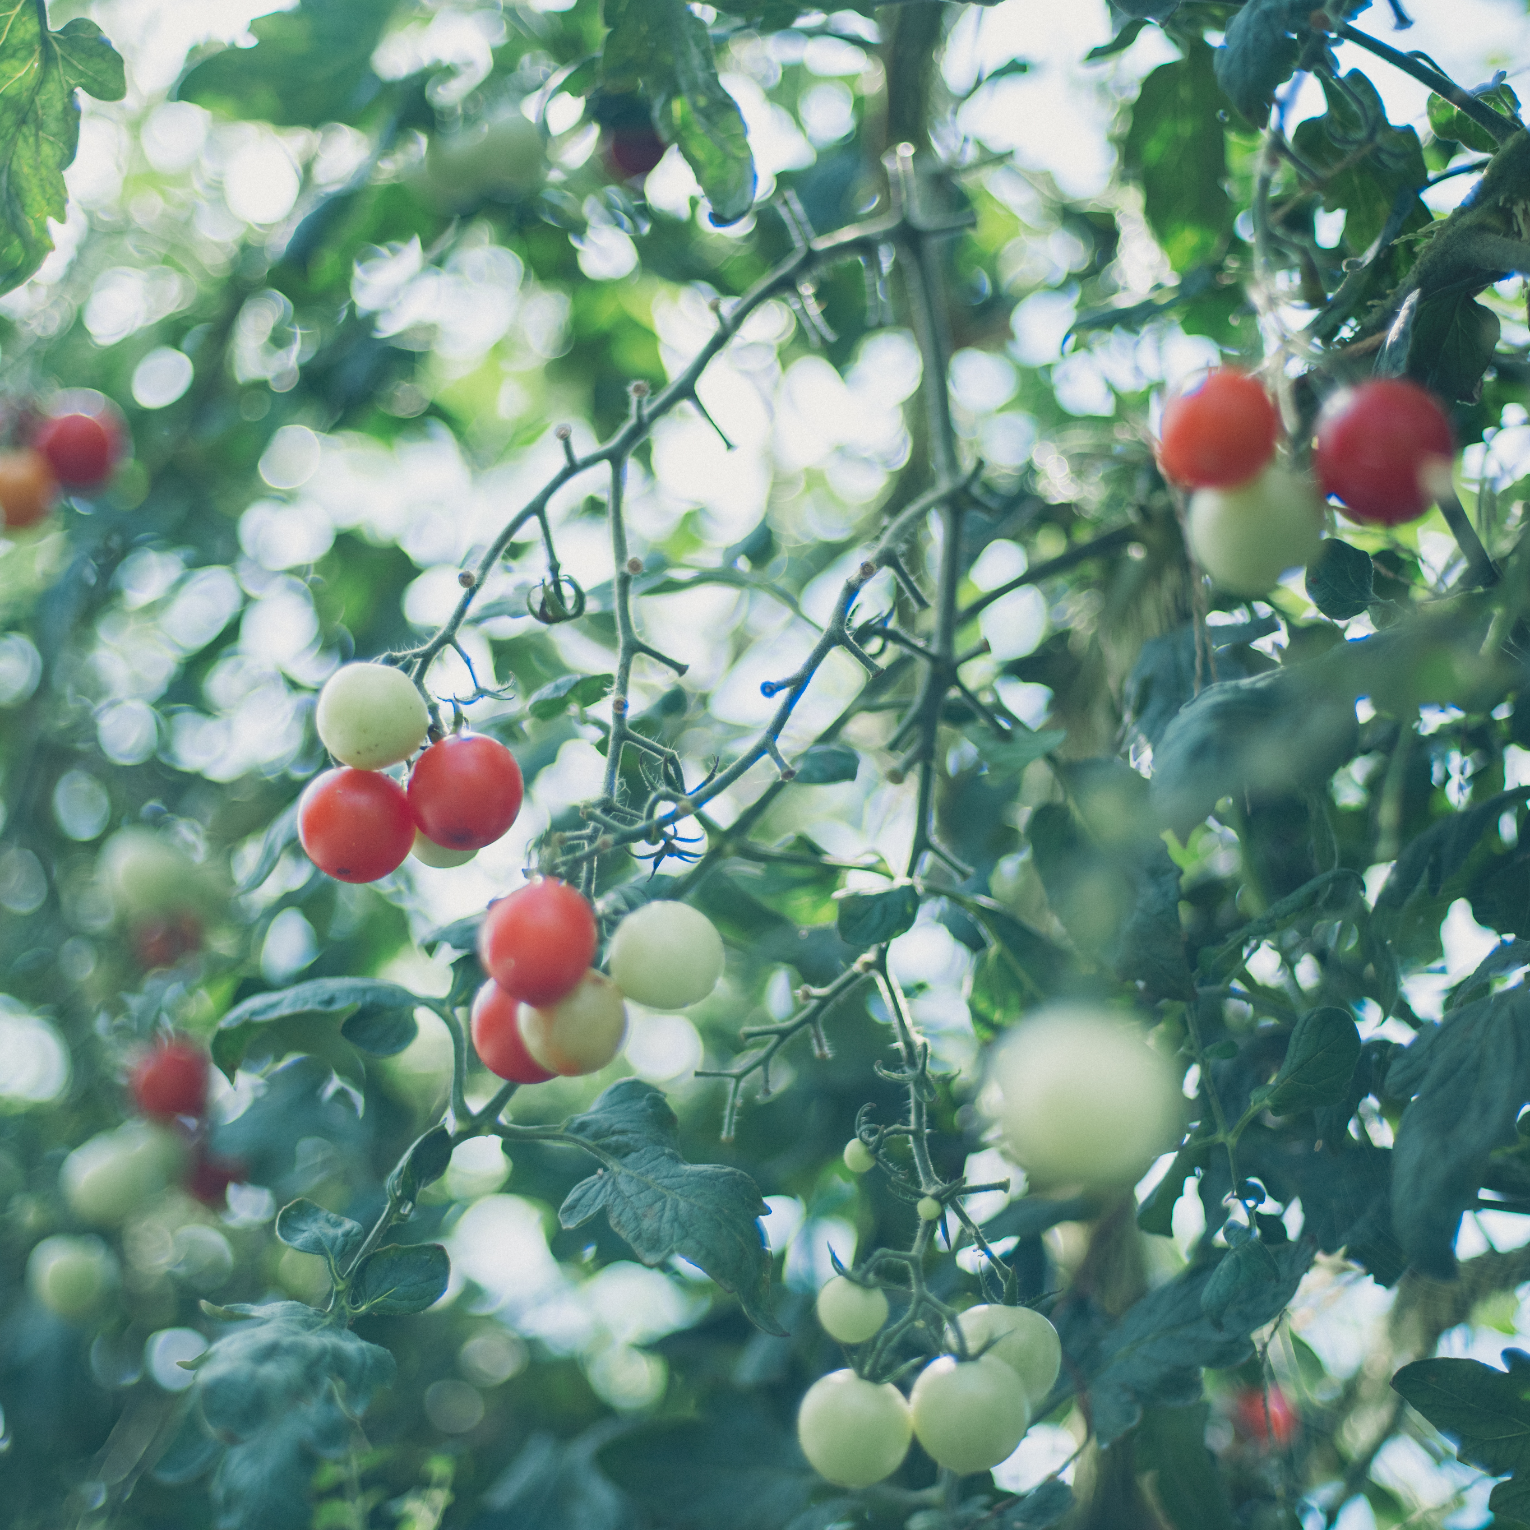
(538,942)
(28,489)
(1247,537)
(1022,1338)
(849,1312)
(666,955)
(170,1080)
(371,716)
(497,1038)
(82,449)
(1265,1415)
(355,824)
(581,1032)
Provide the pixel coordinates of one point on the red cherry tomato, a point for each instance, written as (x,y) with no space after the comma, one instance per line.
(465,791)
(497,1038)
(210,1177)
(1276,1423)
(1379,448)
(171,1081)
(633,151)
(1219,432)
(163,942)
(539,942)
(82,449)
(28,489)
(355,824)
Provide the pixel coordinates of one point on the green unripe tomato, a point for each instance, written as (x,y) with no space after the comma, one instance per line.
(149,875)
(429,853)
(71,1276)
(969,1414)
(859,1158)
(107,1178)
(854,1432)
(1247,537)
(1024,1340)
(666,955)
(579,1034)
(1082,1100)
(929,1209)
(370,716)
(850,1313)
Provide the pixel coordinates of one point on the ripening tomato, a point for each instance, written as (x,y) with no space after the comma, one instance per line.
(632,151)
(497,1037)
(1384,449)
(849,1312)
(1265,1416)
(1218,432)
(355,824)
(171,1081)
(465,791)
(371,716)
(539,942)
(210,1177)
(428,853)
(579,1034)
(28,489)
(969,1414)
(163,942)
(854,1432)
(82,448)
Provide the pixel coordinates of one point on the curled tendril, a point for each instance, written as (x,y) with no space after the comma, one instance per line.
(550,606)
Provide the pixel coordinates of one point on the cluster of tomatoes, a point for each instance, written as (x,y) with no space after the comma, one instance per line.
(358,824)
(545,1010)
(75,450)
(1383,449)
(107,1178)
(968,1414)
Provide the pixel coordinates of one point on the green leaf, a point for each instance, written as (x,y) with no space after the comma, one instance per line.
(1020,969)
(1452,343)
(826,764)
(1156,1214)
(1121,41)
(1440,851)
(664,1206)
(407,1277)
(422,1165)
(1260,53)
(380,1032)
(1239,1271)
(1171,1444)
(1324,1048)
(40,124)
(310,66)
(238,1029)
(568,691)
(1367,165)
(1011,757)
(312,1230)
(1451,122)
(1340,580)
(1176,150)
(281,832)
(661,50)
(1468,1079)
(1489,1412)
(870,919)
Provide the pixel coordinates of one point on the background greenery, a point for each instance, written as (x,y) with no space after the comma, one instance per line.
(929,426)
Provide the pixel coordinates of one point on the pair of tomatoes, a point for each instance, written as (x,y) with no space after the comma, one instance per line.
(1382,449)
(358,824)
(76,450)
(546,1011)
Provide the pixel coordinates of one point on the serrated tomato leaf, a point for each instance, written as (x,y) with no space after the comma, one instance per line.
(662,1205)
(1321,1056)
(40,124)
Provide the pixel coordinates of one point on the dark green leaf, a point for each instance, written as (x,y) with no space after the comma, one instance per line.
(1452,343)
(312,1230)
(1329,892)
(870,919)
(1156,1214)
(1175,149)
(407,1277)
(40,124)
(825,764)
(281,832)
(663,1206)
(422,1165)
(1469,1078)
(1449,121)
(1260,53)
(553,1485)
(661,50)
(322,996)
(1164,677)
(568,691)
(191,1453)
(1009,758)
(1339,580)
(1489,1411)
(1240,1272)
(1171,1444)
(310,66)
(1324,1048)
(380,1032)
(1440,851)
(1040,1509)
(1123,39)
